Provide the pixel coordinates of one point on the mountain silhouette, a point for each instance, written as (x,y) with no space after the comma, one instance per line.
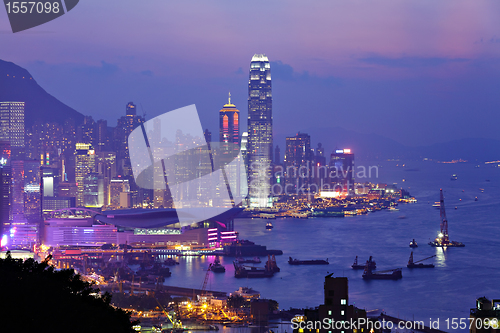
(17,85)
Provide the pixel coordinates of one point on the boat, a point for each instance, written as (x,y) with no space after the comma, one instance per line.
(269,225)
(413,243)
(307,262)
(437,204)
(255,260)
(392,274)
(241,271)
(442,240)
(475,199)
(267,216)
(418,264)
(454,177)
(216,266)
(393,209)
(370,262)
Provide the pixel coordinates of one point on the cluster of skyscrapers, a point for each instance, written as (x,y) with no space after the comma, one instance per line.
(52,166)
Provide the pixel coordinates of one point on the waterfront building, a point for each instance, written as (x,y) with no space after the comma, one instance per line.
(12,127)
(260,132)
(341,171)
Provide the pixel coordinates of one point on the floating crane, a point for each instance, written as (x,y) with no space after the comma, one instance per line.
(443,240)
(418,264)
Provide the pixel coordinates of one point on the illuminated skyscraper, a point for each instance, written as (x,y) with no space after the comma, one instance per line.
(125,125)
(85,159)
(229,125)
(260,132)
(12,126)
(342,170)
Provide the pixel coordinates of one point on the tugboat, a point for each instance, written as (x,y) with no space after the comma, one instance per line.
(370,262)
(412,264)
(269,225)
(413,243)
(216,267)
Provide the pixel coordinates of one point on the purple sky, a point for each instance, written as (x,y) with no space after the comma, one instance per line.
(416,71)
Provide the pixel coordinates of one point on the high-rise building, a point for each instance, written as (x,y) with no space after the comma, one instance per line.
(5,193)
(84,164)
(298,160)
(342,170)
(260,132)
(229,125)
(125,125)
(12,126)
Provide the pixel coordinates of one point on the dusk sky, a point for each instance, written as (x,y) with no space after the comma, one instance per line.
(418,72)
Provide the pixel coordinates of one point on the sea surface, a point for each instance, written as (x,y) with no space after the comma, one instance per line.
(445,292)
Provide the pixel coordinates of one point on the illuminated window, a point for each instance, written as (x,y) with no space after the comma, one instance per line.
(329,312)
(342,312)
(343,301)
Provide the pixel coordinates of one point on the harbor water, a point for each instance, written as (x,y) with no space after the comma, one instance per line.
(445,292)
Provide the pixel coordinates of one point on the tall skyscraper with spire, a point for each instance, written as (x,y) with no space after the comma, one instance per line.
(229,125)
(260,131)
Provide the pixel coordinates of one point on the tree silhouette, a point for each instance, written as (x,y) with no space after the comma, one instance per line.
(34,297)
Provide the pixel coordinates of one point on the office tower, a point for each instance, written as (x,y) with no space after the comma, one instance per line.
(260,132)
(298,160)
(12,127)
(125,125)
(342,171)
(101,137)
(32,191)
(86,132)
(277,155)
(84,164)
(106,167)
(119,193)
(5,195)
(229,125)
(17,189)
(93,192)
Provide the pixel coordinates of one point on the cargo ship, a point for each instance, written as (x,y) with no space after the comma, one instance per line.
(392,274)
(307,262)
(370,262)
(418,264)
